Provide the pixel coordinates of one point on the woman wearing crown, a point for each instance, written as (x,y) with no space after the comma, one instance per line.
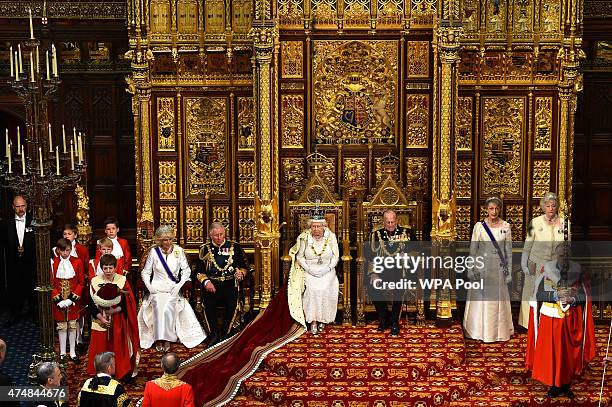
(316,253)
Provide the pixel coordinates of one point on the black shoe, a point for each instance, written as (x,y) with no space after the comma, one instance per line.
(395,329)
(554,392)
(565,389)
(382,325)
(213,339)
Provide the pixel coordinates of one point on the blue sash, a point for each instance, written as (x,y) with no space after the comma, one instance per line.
(163,262)
(496,245)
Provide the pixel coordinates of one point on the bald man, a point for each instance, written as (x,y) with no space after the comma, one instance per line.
(168,390)
(19,248)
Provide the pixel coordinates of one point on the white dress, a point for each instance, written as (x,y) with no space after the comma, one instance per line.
(165,314)
(320,299)
(488,315)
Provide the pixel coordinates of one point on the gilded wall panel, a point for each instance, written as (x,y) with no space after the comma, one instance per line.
(328,173)
(355,172)
(356,14)
(168,215)
(422,13)
(536,210)
(502,146)
(541,177)
(471,9)
(246,223)
(160,16)
(390,14)
(246,123)
(514,216)
(522,18)
(550,21)
(380,171)
(292,53)
(292,121)
(418,59)
(543,122)
(417,177)
(187,16)
(246,179)
(165,124)
(463,182)
(463,129)
(206,131)
(496,16)
(483,211)
(167,179)
(324,14)
(221,214)
(242,15)
(215,16)
(290,13)
(355,87)
(293,171)
(417,121)
(194,219)
(463,225)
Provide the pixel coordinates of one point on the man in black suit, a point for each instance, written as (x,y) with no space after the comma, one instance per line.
(20,254)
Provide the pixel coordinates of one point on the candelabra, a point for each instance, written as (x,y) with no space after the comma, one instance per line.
(39,169)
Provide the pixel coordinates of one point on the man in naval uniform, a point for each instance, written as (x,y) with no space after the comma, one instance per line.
(387,242)
(221,266)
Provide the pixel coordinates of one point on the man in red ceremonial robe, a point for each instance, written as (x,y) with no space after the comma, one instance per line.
(105,246)
(562,341)
(68,280)
(168,390)
(113,319)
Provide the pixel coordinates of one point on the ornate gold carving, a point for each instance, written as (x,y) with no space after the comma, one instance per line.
(187,16)
(381,175)
(292,58)
(463,129)
(543,121)
(292,120)
(165,124)
(168,215)
(536,210)
(246,123)
(167,179)
(417,121)
(422,13)
(205,131)
(356,14)
(160,16)
(290,13)
(549,20)
(496,16)
(83,227)
(463,186)
(523,18)
(246,179)
(324,13)
(418,59)
(221,214)
(417,181)
(390,14)
(471,9)
(194,218)
(355,91)
(514,216)
(215,16)
(246,223)
(293,172)
(66,10)
(541,177)
(464,222)
(355,172)
(503,130)
(242,15)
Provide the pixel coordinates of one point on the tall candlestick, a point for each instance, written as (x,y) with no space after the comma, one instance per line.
(12,63)
(50,140)
(18,139)
(47,64)
(40,163)
(57,160)
(31,26)
(71,156)
(31,68)
(16,67)
(10,159)
(64,138)
(23,168)
(20,59)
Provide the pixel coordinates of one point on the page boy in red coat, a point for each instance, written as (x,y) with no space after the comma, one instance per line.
(105,246)
(121,248)
(68,281)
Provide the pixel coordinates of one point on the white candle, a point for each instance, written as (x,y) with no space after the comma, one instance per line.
(50,140)
(11,58)
(40,163)
(57,160)
(23,168)
(37,60)
(16,67)
(74,138)
(64,138)
(7,142)
(18,139)
(47,64)
(31,68)
(71,156)
(31,26)
(80,149)
(20,59)
(10,163)
(54,60)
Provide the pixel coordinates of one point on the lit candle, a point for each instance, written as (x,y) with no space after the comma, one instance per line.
(37,60)
(16,67)
(31,26)
(40,163)
(50,140)
(54,60)
(80,149)
(22,160)
(10,159)
(31,68)
(71,156)
(74,138)
(47,64)
(57,160)
(11,58)
(64,138)
(18,139)
(20,59)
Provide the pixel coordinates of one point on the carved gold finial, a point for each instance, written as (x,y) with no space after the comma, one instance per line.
(316,161)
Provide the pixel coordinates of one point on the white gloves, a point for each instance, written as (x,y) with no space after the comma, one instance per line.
(65,303)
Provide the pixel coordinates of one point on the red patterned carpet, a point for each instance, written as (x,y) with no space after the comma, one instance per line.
(359,367)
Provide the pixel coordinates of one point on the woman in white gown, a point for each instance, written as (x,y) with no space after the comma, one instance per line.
(165,315)
(488,315)
(318,254)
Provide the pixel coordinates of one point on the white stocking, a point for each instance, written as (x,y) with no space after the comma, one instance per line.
(72,338)
(62,341)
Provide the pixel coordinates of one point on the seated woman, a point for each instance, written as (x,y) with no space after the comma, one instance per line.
(318,254)
(165,315)
(113,319)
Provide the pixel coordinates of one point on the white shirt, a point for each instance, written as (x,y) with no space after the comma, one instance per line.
(20,223)
(117,250)
(65,269)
